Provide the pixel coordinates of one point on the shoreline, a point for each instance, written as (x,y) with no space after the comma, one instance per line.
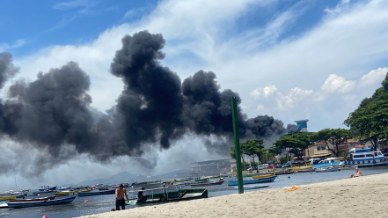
(364,196)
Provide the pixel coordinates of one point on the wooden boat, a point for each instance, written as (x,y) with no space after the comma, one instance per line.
(107,192)
(41,203)
(33,199)
(263,176)
(253,181)
(209,183)
(10,197)
(171,196)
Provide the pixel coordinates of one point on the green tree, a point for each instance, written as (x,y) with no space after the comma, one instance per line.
(252,148)
(370,120)
(296,142)
(334,137)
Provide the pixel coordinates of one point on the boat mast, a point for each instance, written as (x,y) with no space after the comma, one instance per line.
(16,184)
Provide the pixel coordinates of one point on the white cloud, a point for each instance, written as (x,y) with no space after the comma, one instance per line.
(374,77)
(289,101)
(72,4)
(16,44)
(265,92)
(335,83)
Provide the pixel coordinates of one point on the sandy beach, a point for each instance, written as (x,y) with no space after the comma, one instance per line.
(365,196)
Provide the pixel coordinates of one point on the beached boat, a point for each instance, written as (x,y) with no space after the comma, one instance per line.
(33,199)
(106,192)
(164,195)
(207,184)
(5,198)
(41,203)
(365,157)
(327,169)
(263,176)
(253,181)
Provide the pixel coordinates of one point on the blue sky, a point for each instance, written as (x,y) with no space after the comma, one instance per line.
(44,23)
(32,25)
(306,59)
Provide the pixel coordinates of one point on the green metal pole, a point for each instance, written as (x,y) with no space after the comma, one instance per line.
(237,147)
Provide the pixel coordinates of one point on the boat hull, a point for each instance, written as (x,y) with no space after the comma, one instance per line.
(84,194)
(324,170)
(208,184)
(173,196)
(254,181)
(4,198)
(263,176)
(41,203)
(365,163)
(34,199)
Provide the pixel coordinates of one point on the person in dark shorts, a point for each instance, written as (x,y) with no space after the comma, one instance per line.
(120,193)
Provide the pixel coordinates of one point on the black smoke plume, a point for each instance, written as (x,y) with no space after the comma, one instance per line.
(53,112)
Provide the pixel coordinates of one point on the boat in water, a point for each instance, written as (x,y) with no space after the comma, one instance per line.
(253,181)
(263,176)
(66,193)
(93,193)
(164,195)
(33,199)
(365,157)
(45,188)
(3,204)
(331,161)
(10,197)
(66,200)
(207,184)
(327,169)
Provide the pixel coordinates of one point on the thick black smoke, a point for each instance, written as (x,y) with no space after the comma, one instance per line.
(7,69)
(150,107)
(53,112)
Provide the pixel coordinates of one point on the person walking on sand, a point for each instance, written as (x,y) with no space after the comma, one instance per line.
(358,173)
(120,202)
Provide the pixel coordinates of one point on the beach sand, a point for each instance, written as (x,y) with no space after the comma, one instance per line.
(365,196)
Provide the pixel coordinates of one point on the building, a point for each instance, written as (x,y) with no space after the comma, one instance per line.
(322,150)
(301,125)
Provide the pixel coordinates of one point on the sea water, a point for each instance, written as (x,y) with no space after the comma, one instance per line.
(104,203)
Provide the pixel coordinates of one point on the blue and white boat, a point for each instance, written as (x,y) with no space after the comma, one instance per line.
(331,161)
(365,157)
(41,203)
(253,181)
